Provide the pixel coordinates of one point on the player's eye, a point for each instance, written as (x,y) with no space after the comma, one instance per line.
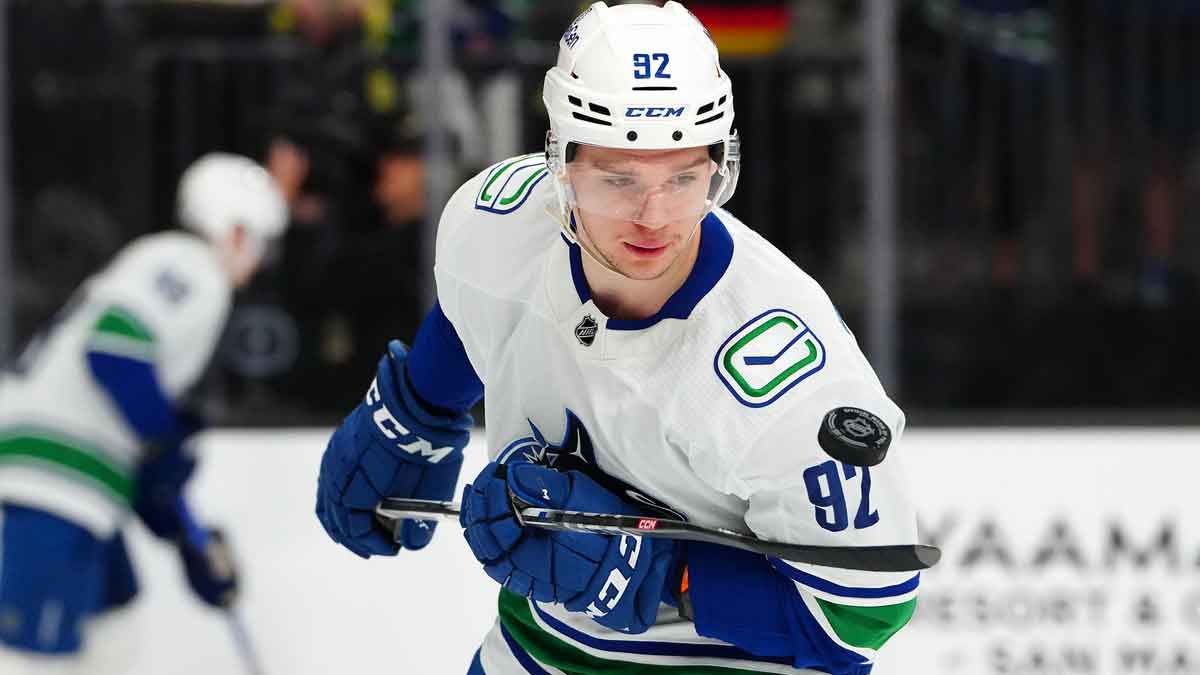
(683,179)
(618,181)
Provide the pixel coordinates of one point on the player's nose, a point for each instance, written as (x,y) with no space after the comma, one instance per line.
(653,213)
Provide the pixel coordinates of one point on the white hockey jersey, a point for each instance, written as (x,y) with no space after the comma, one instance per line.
(710,409)
(64,445)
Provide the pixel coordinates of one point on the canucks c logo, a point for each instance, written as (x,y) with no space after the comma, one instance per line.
(576,453)
(767,356)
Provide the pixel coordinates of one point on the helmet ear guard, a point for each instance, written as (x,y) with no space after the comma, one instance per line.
(729,165)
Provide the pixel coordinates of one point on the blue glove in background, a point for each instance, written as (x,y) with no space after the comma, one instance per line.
(616,579)
(207,559)
(389,446)
(209,565)
(165,469)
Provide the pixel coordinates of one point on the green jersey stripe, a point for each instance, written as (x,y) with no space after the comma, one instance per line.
(549,650)
(117,321)
(483,194)
(500,194)
(867,627)
(88,466)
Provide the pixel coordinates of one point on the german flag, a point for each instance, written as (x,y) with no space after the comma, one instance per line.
(744,28)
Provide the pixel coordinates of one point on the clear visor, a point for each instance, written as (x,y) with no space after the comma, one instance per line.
(653,188)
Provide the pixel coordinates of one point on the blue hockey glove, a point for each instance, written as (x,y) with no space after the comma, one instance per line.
(390,446)
(209,564)
(207,558)
(166,466)
(616,579)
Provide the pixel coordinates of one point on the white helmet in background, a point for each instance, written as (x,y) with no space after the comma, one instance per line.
(640,77)
(221,190)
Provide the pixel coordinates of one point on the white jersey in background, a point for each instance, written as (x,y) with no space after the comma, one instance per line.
(65,447)
(710,410)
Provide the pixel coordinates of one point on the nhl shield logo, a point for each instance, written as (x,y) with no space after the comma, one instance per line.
(585,330)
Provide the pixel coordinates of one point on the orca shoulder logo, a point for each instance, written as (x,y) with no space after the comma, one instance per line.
(575,452)
(585,330)
(767,356)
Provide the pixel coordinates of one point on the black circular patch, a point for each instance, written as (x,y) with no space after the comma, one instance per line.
(854,436)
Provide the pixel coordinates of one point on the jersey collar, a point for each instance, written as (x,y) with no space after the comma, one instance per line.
(716,251)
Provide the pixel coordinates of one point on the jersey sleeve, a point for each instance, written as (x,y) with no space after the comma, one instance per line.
(490,237)
(828,618)
(122,355)
(453,243)
(161,308)
(438,367)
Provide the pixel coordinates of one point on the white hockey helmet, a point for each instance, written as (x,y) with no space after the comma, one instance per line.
(640,77)
(221,190)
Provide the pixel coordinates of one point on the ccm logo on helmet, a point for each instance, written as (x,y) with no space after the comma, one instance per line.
(653,111)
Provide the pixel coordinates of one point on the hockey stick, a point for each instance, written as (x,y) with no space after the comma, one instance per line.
(241,639)
(391,512)
(199,538)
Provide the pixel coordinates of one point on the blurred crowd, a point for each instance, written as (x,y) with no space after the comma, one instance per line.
(1048,173)
(1067,184)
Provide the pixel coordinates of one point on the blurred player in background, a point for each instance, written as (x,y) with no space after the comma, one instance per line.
(93,429)
(644,352)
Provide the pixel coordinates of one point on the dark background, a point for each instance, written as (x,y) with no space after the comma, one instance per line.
(1048,182)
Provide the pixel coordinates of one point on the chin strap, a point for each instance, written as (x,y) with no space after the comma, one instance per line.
(567,225)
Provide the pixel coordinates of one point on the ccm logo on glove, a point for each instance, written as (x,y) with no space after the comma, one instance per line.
(389,427)
(614,587)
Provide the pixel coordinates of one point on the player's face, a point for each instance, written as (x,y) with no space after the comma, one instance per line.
(640,208)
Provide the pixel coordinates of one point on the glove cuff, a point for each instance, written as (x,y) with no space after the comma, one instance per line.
(395,385)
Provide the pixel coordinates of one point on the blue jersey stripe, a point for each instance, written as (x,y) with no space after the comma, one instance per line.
(651,647)
(716,252)
(521,655)
(845,591)
(476,667)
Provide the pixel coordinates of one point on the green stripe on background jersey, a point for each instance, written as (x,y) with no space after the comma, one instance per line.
(867,627)
(120,333)
(88,466)
(117,321)
(549,650)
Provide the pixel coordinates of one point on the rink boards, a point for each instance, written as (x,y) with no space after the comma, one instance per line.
(1066,551)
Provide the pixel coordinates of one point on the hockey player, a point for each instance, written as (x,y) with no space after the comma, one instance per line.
(643,352)
(92,428)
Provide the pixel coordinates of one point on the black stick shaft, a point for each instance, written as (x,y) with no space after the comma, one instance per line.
(900,558)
